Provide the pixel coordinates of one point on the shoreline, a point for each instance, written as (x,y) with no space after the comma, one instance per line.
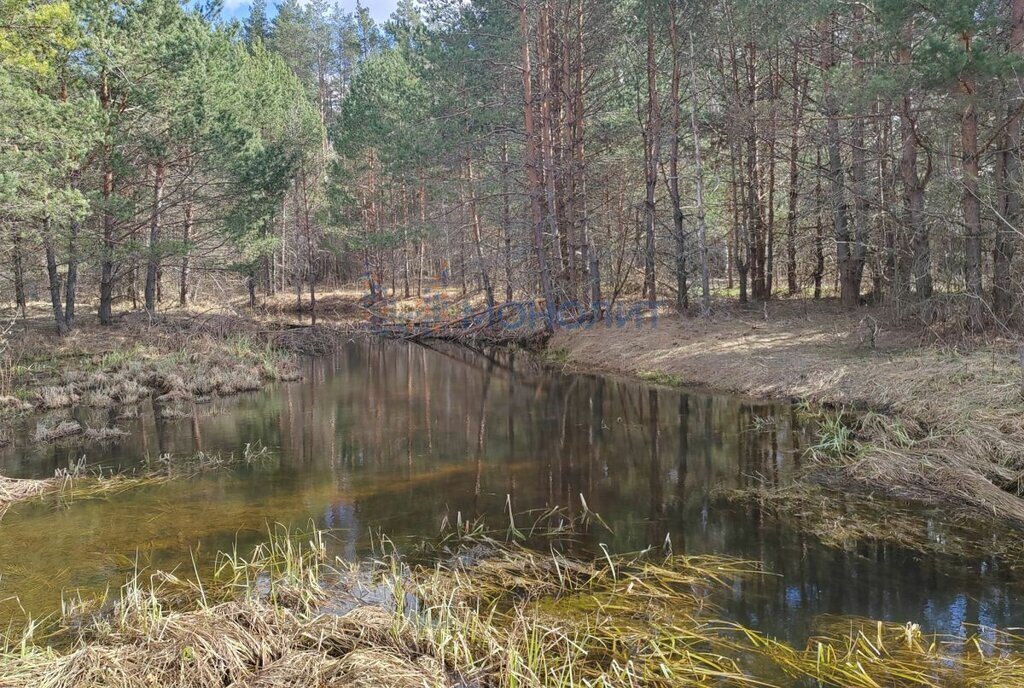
(921,420)
(941,425)
(170,358)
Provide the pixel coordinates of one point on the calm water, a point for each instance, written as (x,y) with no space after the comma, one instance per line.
(390,437)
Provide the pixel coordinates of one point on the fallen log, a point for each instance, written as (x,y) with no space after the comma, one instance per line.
(516,322)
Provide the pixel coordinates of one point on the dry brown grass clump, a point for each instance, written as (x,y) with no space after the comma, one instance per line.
(171,358)
(512,618)
(55,397)
(66,428)
(901,458)
(252,626)
(106,434)
(63,429)
(847,523)
(11,404)
(16,490)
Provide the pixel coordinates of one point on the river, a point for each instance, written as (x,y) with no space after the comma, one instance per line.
(394,438)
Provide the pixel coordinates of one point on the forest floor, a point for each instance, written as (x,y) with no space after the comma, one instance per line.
(912,412)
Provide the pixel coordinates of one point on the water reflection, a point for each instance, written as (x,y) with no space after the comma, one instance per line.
(392,437)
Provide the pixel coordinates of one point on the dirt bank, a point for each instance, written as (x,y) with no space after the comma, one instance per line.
(946,416)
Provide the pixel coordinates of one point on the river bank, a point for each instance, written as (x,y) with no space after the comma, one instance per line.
(171,359)
(909,412)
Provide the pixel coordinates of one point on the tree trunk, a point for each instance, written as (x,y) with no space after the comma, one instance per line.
(739,217)
(153,263)
(819,230)
(106,308)
(312,299)
(595,286)
(849,286)
(54,280)
(972,200)
(19,274)
(475,218)
(754,218)
(533,170)
(506,218)
(651,154)
(913,196)
(767,247)
(547,142)
(579,147)
(858,174)
(799,99)
(186,237)
(702,234)
(422,247)
(682,289)
(71,285)
(1012,216)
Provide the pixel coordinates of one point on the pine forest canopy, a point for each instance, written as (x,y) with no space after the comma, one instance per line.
(570,151)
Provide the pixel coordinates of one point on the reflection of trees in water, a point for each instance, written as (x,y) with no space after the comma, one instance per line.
(394,436)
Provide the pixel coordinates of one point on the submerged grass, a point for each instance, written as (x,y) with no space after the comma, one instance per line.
(869,654)
(868,452)
(877,452)
(81,481)
(496,614)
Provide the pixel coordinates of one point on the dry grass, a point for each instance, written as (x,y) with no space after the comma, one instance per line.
(856,653)
(847,523)
(258,624)
(198,370)
(335,305)
(13,490)
(501,616)
(62,430)
(80,481)
(947,423)
(104,434)
(173,358)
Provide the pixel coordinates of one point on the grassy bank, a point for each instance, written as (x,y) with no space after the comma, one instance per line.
(171,360)
(490,614)
(930,416)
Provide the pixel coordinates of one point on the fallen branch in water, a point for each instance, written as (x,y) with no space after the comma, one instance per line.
(515,322)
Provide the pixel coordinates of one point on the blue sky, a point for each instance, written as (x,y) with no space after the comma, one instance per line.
(380,10)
